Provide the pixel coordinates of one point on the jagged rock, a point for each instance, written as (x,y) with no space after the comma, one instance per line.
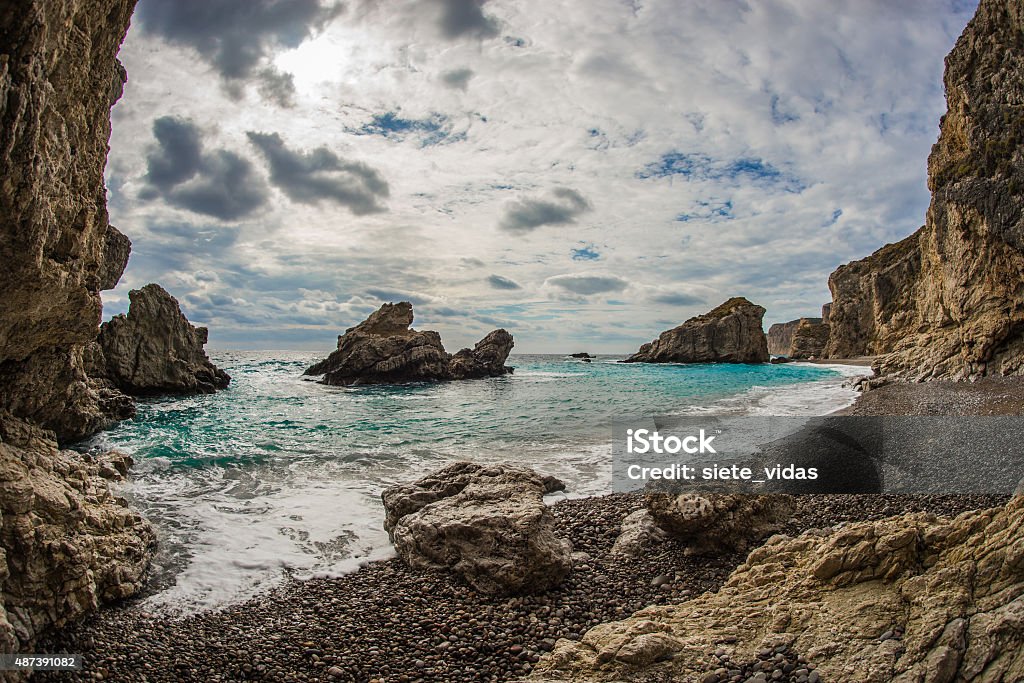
(489,524)
(154,349)
(717,522)
(870,298)
(384,349)
(909,598)
(68,543)
(581,354)
(638,531)
(731,333)
(957,305)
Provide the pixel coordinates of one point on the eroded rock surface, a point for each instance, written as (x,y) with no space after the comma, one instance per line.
(731,333)
(489,524)
(68,543)
(711,522)
(154,349)
(384,349)
(909,598)
(799,339)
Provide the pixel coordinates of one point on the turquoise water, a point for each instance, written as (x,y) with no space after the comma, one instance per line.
(280,474)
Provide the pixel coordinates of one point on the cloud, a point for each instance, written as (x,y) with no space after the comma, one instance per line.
(220,183)
(499,282)
(277,87)
(457,78)
(699,166)
(585,284)
(431,130)
(465,18)
(395,295)
(562,206)
(678,299)
(236,37)
(320,175)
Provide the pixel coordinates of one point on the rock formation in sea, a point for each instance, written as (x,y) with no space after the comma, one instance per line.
(154,349)
(68,543)
(731,333)
(489,524)
(384,349)
(908,598)
(947,302)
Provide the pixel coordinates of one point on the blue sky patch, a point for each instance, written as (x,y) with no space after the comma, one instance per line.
(431,130)
(587,252)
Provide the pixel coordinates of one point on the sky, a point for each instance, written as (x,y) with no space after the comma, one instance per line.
(584,175)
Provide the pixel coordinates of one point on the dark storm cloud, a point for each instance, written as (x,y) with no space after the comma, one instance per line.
(320,175)
(466,18)
(586,285)
(235,36)
(499,282)
(563,206)
(457,78)
(220,184)
(277,87)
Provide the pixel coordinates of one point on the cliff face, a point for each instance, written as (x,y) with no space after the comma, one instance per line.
(780,337)
(731,333)
(948,302)
(59,77)
(799,339)
(870,298)
(68,544)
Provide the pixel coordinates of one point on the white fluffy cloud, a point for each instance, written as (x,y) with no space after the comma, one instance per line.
(558,171)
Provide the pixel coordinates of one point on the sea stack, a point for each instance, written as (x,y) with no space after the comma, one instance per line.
(730,333)
(384,349)
(154,349)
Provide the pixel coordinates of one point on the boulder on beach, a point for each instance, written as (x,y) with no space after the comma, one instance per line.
(719,522)
(487,523)
(384,349)
(731,333)
(154,349)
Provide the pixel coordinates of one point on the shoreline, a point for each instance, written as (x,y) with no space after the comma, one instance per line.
(387,622)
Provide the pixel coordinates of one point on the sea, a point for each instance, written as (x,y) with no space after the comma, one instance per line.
(280,476)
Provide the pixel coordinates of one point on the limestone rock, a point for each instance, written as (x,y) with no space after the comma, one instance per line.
(731,333)
(489,524)
(384,349)
(947,301)
(638,531)
(780,337)
(717,522)
(870,297)
(798,339)
(68,543)
(909,598)
(154,349)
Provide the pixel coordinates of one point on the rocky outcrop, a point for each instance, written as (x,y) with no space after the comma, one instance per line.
(909,598)
(154,349)
(638,532)
(488,524)
(957,304)
(871,300)
(58,78)
(713,523)
(798,339)
(67,543)
(780,337)
(809,339)
(731,333)
(384,349)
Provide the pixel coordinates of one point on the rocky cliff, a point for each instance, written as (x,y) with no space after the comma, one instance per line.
(948,302)
(780,337)
(154,349)
(384,349)
(731,333)
(799,339)
(68,544)
(910,598)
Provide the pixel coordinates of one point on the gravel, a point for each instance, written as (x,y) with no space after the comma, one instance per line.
(386,622)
